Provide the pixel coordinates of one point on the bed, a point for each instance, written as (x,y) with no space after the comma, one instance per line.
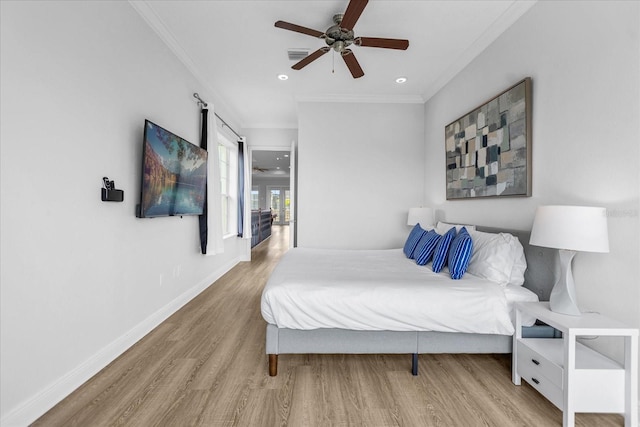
(379,301)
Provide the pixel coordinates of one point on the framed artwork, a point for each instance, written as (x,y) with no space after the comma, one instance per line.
(488,150)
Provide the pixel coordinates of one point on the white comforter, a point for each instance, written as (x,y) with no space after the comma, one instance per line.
(382,290)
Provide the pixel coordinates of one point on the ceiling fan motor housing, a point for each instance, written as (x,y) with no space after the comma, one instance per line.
(338,38)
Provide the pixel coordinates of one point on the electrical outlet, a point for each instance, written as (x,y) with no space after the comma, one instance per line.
(176,271)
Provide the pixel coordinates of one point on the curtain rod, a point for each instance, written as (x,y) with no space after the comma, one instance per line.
(203,103)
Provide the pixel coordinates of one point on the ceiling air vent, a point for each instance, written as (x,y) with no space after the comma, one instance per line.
(297,54)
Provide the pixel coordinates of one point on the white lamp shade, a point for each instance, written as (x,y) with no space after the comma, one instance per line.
(422,216)
(576,228)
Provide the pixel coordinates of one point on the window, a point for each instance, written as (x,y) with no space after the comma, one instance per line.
(255,198)
(228,153)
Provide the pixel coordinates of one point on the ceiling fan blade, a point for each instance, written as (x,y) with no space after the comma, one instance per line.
(352,63)
(299,29)
(353,12)
(312,57)
(383,43)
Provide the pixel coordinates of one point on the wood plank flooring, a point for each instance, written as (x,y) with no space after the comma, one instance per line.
(206,366)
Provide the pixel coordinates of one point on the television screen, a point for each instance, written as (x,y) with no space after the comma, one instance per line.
(174,174)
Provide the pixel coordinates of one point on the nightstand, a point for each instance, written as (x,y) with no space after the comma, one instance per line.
(574,377)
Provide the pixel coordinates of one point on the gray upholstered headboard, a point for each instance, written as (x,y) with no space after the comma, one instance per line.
(542,263)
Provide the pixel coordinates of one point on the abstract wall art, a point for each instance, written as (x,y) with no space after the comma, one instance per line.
(488,150)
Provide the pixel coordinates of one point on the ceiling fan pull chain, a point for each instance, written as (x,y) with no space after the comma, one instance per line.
(333,62)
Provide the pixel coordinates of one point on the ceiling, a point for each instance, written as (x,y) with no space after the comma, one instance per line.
(236,52)
(270,164)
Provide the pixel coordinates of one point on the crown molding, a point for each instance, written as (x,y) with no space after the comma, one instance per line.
(145,10)
(369,99)
(498,27)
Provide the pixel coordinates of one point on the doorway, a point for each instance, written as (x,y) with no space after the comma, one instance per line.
(280,203)
(273,185)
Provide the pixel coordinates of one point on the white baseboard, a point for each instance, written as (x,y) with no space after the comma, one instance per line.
(46,399)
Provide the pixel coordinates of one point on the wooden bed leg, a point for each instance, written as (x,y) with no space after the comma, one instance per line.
(273,365)
(414,364)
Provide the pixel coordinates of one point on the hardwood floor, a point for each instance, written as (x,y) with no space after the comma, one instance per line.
(206,366)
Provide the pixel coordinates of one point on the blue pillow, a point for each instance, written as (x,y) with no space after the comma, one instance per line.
(426,247)
(442,250)
(460,254)
(412,241)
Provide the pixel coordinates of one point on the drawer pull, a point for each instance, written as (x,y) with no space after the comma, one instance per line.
(535,361)
(535,380)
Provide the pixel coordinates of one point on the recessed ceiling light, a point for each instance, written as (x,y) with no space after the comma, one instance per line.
(401,80)
(283,76)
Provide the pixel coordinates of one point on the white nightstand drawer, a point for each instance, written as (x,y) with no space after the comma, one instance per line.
(546,387)
(529,354)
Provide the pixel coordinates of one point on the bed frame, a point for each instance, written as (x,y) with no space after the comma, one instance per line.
(539,278)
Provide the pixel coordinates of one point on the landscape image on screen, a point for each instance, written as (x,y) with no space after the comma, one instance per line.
(174,174)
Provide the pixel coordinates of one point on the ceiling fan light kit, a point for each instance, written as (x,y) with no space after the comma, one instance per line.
(340,36)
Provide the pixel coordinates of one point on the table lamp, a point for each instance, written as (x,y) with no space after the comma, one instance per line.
(569,229)
(422,216)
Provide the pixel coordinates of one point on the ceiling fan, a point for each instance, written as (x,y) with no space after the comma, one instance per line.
(340,36)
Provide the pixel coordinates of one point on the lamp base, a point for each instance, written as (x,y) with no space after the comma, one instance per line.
(563,296)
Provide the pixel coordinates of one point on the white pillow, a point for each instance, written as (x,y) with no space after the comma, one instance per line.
(519,263)
(443,227)
(497,257)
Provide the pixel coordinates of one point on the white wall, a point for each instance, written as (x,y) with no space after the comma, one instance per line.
(83,279)
(584,59)
(270,138)
(360,169)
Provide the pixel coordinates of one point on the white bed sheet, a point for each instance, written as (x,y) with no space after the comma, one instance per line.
(383,290)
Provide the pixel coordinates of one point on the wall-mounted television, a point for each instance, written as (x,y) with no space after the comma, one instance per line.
(174,175)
